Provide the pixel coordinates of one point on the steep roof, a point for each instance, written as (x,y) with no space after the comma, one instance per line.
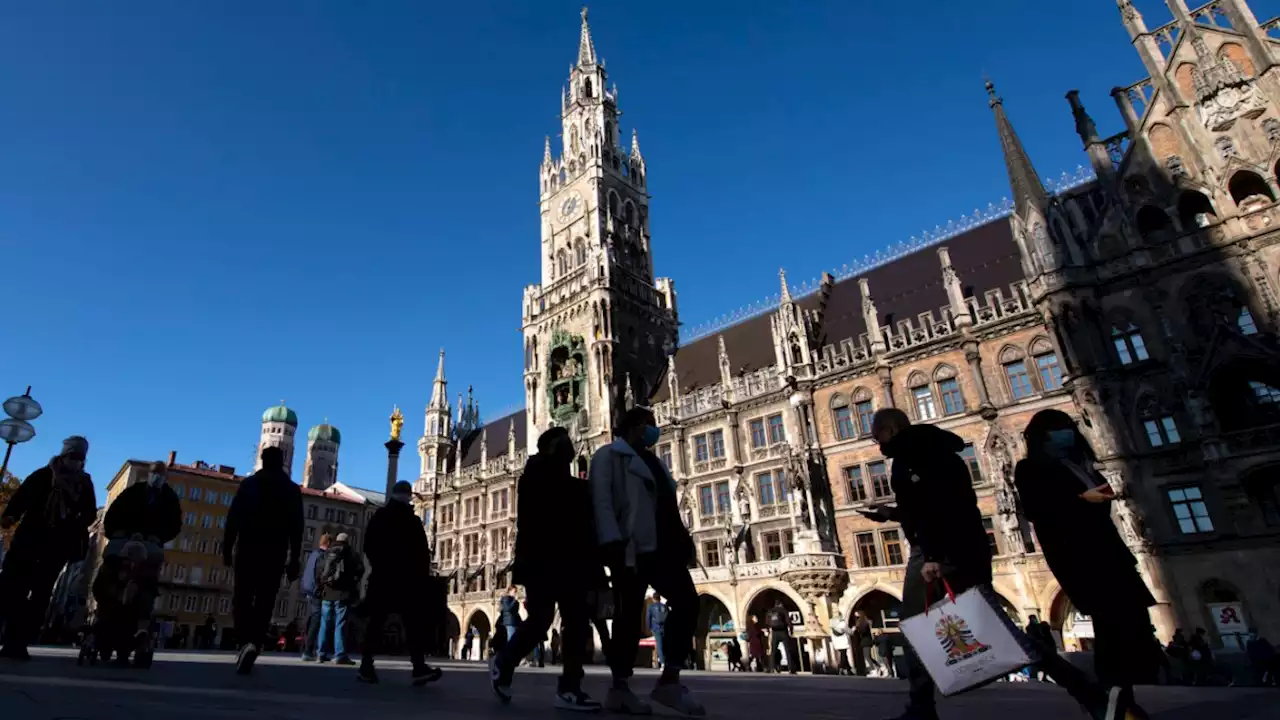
(497,437)
(985,257)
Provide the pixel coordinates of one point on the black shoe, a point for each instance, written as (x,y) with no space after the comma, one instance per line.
(366,674)
(15,652)
(577,701)
(245,660)
(344,660)
(426,674)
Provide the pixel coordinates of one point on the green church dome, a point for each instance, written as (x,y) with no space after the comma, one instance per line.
(325,433)
(280,413)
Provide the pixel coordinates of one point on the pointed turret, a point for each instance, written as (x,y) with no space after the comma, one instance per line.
(786,291)
(635,144)
(586,48)
(546,153)
(1023,180)
(439,398)
(871,317)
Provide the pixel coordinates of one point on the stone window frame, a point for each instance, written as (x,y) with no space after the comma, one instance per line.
(917,381)
(1039,347)
(942,373)
(839,401)
(1008,355)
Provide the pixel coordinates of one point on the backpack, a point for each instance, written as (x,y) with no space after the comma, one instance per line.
(338,572)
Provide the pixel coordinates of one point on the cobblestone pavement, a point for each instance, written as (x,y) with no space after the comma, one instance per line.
(203,686)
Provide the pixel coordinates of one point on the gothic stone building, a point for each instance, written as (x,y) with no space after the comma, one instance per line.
(1139,296)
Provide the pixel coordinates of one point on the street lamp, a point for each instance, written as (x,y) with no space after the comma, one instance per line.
(17,428)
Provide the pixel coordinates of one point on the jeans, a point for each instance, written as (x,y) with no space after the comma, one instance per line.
(541,600)
(670,579)
(312,643)
(333,626)
(658,632)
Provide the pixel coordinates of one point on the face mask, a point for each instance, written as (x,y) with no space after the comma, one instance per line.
(650,437)
(157,481)
(1061,440)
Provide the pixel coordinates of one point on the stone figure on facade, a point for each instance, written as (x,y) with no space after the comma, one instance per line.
(568,376)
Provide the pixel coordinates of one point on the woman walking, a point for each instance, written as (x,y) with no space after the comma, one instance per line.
(1069,503)
(840,643)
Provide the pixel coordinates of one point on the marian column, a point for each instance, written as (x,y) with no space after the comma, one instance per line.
(393,447)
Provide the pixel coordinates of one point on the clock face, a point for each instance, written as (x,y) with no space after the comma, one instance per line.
(570,206)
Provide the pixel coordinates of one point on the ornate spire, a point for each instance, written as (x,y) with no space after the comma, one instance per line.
(586,48)
(439,399)
(1023,180)
(546,151)
(786,291)
(635,143)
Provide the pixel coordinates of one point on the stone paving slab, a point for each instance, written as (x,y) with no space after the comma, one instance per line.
(203,686)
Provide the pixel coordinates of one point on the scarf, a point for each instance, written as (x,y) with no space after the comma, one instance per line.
(64,492)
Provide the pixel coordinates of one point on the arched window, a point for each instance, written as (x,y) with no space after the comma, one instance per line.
(579,252)
(1237,56)
(1017,377)
(1248,188)
(1263,487)
(573,138)
(1195,210)
(562,263)
(628,212)
(1158,423)
(586,87)
(797,355)
(613,204)
(1152,222)
(1130,347)
(842,417)
(949,391)
(1048,369)
(1184,76)
(922,396)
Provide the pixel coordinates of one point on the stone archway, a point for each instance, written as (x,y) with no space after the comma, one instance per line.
(883,610)
(452,633)
(481,628)
(1074,628)
(715,626)
(765,600)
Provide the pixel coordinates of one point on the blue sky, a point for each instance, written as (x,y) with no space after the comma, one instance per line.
(206,207)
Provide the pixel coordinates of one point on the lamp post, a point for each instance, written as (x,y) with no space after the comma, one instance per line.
(17,428)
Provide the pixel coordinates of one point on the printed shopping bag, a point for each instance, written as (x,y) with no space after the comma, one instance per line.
(966,641)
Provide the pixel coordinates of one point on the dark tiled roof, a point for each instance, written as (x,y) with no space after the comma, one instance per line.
(497,438)
(984,257)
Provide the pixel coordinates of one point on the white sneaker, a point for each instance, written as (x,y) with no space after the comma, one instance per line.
(678,698)
(625,702)
(577,701)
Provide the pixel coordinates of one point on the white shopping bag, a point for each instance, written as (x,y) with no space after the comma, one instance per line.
(966,641)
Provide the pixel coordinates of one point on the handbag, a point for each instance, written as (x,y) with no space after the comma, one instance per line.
(966,641)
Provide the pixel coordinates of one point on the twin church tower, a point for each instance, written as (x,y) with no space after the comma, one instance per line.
(280,425)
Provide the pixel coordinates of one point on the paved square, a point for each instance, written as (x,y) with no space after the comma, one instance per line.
(203,686)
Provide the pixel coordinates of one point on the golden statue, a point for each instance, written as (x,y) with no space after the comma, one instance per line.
(397,422)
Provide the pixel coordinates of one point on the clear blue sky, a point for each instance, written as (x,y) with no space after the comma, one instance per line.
(206,207)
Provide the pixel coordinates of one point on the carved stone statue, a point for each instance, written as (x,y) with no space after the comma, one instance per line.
(804,511)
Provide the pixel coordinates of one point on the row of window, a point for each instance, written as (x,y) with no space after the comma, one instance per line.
(473,508)
(195,494)
(1131,348)
(334,515)
(871,480)
(774,544)
(192,519)
(198,544)
(764,432)
(944,397)
(195,575)
(887,547)
(196,603)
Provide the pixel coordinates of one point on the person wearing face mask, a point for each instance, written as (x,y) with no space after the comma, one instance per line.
(55,506)
(645,544)
(1069,503)
(150,509)
(396,545)
(557,562)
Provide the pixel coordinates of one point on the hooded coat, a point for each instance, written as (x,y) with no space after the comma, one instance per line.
(555,532)
(937,506)
(396,545)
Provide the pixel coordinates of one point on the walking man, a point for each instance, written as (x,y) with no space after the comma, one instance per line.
(645,543)
(780,638)
(657,618)
(396,545)
(339,590)
(557,561)
(263,539)
(509,613)
(53,509)
(310,587)
(939,514)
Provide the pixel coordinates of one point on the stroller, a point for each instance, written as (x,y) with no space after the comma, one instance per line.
(125,591)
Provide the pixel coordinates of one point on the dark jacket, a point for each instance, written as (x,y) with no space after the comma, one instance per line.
(1080,542)
(64,541)
(396,545)
(266,518)
(340,573)
(862,633)
(509,611)
(555,534)
(778,620)
(936,503)
(146,511)
(884,645)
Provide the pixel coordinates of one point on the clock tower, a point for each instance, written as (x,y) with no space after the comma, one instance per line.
(599,327)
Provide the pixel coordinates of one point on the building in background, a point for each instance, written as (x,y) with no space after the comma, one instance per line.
(1139,294)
